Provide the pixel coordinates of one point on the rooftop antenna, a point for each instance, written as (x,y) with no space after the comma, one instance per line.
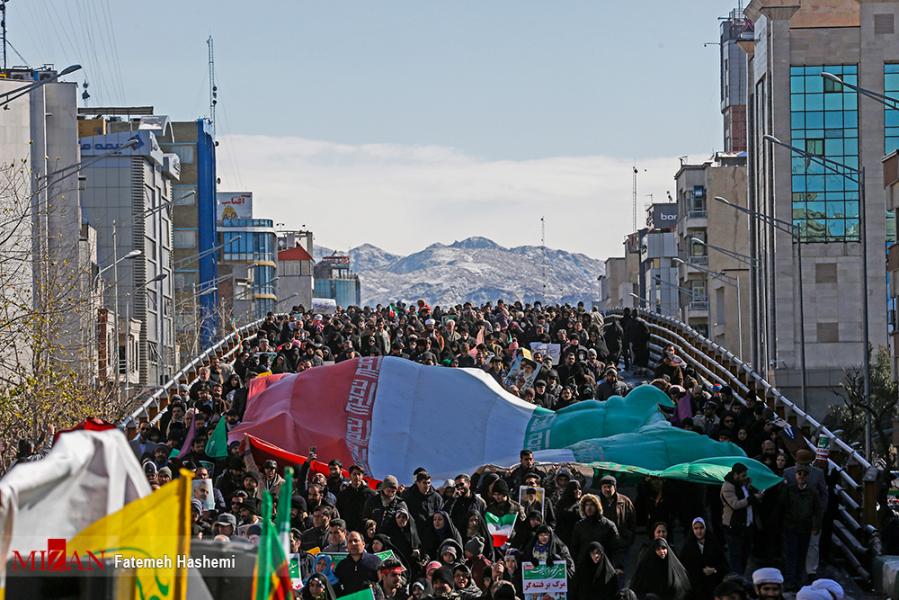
(634,196)
(3,27)
(213,89)
(543,249)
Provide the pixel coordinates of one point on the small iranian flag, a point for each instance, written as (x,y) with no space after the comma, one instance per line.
(500,527)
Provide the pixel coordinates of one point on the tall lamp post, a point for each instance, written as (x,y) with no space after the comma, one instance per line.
(863,238)
(856,176)
(793,230)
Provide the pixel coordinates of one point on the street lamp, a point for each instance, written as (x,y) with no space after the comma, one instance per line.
(793,230)
(743,258)
(863,238)
(730,280)
(25,89)
(643,300)
(856,176)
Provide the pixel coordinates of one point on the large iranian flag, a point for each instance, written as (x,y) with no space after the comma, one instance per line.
(391,415)
(500,527)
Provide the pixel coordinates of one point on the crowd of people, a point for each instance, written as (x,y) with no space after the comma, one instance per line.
(637,537)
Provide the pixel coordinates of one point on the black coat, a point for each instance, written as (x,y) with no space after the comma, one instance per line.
(351,502)
(593,529)
(594,581)
(694,560)
(666,578)
(422,506)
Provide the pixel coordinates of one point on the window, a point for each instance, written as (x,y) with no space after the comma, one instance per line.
(185,238)
(824,121)
(890,115)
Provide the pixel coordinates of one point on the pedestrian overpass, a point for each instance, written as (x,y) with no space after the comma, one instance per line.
(854,536)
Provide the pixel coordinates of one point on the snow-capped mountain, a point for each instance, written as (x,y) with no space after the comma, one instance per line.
(475,269)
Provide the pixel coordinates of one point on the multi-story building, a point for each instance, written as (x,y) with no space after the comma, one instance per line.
(713,244)
(248,267)
(734,28)
(334,280)
(195,258)
(48,264)
(295,265)
(789,99)
(658,279)
(127,197)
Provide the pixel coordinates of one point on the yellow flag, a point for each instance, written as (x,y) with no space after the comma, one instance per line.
(147,537)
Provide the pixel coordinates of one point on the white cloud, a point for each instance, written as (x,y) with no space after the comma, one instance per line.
(403,198)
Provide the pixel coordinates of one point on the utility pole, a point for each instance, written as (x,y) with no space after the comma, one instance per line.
(634,196)
(3,27)
(213,89)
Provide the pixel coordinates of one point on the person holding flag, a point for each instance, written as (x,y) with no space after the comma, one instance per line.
(271,576)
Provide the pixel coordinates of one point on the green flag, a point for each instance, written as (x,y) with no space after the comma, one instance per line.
(271,576)
(282,521)
(217,446)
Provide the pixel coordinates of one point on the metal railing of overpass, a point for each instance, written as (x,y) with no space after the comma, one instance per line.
(854,535)
(152,409)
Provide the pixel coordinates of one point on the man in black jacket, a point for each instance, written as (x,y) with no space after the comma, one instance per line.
(463,502)
(358,570)
(351,499)
(422,500)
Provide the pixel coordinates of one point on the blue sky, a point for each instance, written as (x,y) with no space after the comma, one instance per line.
(499,85)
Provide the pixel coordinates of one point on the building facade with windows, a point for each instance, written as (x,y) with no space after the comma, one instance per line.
(131,193)
(248,269)
(713,243)
(334,280)
(790,100)
(195,255)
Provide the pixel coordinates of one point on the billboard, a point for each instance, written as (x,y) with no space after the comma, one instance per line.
(233,205)
(663,216)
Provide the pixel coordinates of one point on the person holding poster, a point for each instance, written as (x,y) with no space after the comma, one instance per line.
(545,548)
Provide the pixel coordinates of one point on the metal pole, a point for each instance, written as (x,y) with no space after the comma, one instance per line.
(866,339)
(801,322)
(127,348)
(115,301)
(740,316)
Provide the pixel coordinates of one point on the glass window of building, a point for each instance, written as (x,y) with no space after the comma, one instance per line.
(891,115)
(824,121)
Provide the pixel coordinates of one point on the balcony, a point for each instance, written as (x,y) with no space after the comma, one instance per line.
(697,213)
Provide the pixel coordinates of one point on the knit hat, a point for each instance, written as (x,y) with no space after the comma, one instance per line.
(767,575)
(475,546)
(501,487)
(610,479)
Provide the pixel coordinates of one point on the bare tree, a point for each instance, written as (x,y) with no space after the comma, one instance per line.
(851,415)
(48,318)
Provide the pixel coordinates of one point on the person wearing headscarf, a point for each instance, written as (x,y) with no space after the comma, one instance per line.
(659,572)
(545,548)
(704,559)
(317,587)
(595,577)
(524,531)
(567,509)
(476,527)
(404,536)
(439,529)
